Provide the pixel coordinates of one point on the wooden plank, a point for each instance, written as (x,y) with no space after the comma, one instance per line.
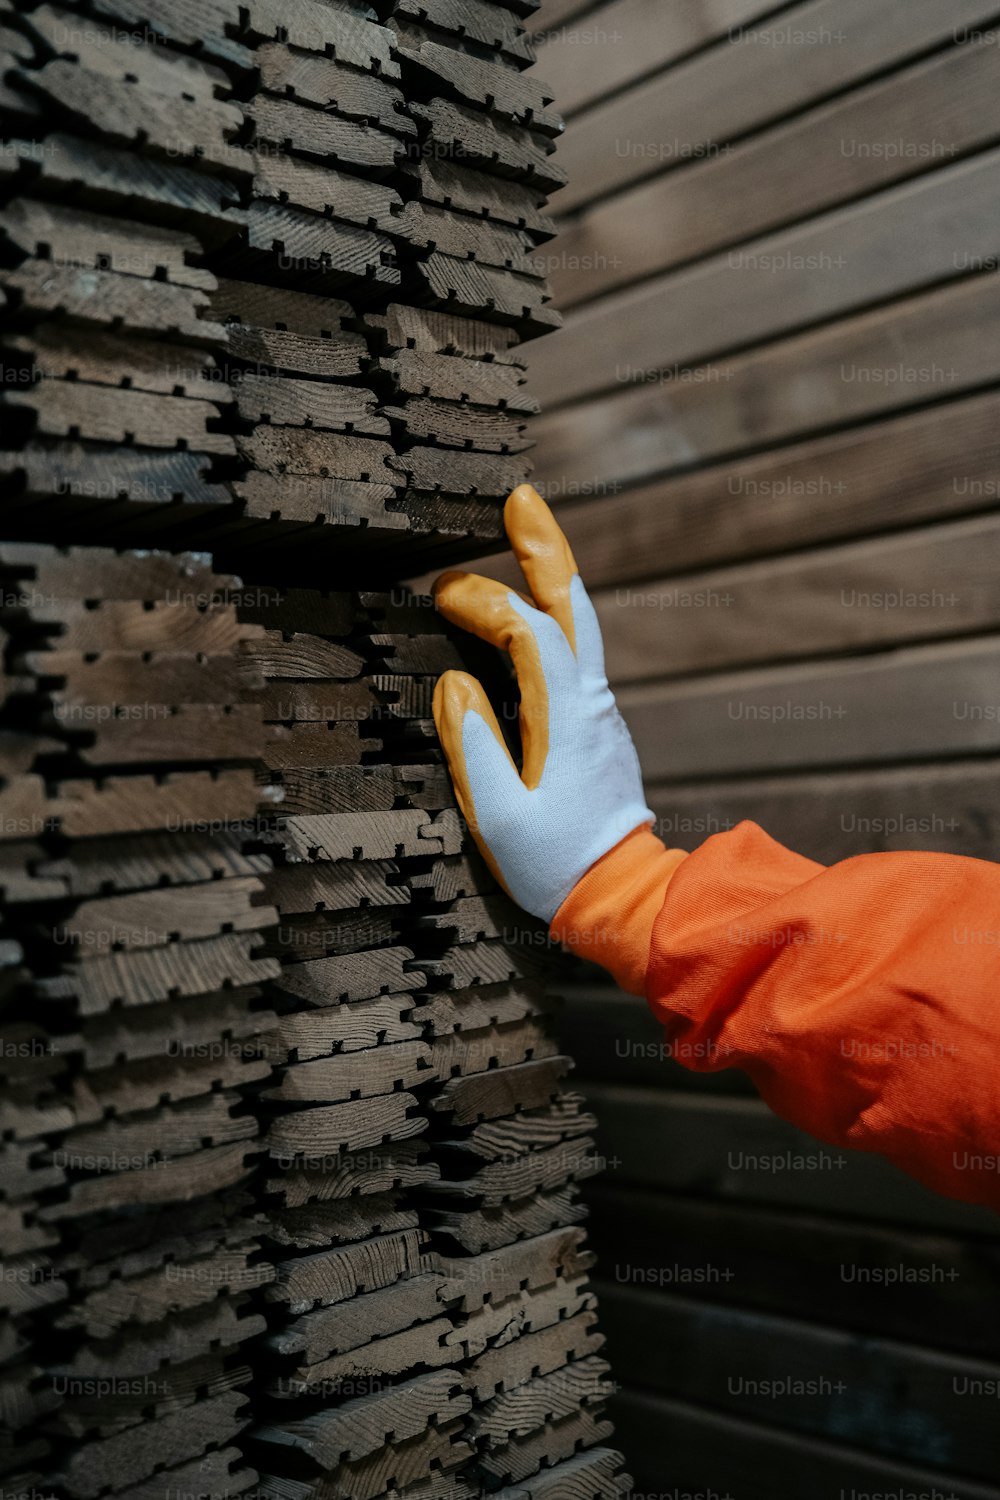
(910,122)
(102,177)
(469,286)
(448,471)
(361,1426)
(911,704)
(496,29)
(938,581)
(762,73)
(352,977)
(726,1454)
(749,1364)
(306,1035)
(384,1070)
(601,54)
(327,191)
(461,426)
(508,1137)
(395,835)
(533,1354)
(520,1412)
(344,1127)
(425,331)
(504,1091)
(325,29)
(504,1046)
(809,382)
(535,1172)
(449,379)
(308,403)
(596,1475)
(743,1152)
(335,1276)
(491,144)
(289,450)
(146,919)
(198,1174)
(108,299)
(771,286)
(480,81)
(314,1225)
(515,1270)
(403,1164)
(858,1275)
(467,190)
(121,1461)
(193,24)
(952,808)
(312,251)
(314,132)
(900,471)
(146,976)
(88,241)
(137,364)
(136,109)
(481,1229)
(351,1325)
(315,78)
(553,1442)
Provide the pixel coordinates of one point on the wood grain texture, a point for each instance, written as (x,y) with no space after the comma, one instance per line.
(899,126)
(893,243)
(846,599)
(788,62)
(914,703)
(917,350)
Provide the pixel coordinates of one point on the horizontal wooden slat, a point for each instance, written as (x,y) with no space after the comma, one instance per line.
(798,56)
(893,243)
(738,1150)
(915,703)
(881,1395)
(552,13)
(608,48)
(894,128)
(939,462)
(953,809)
(713,1455)
(849,1273)
(936,344)
(938,581)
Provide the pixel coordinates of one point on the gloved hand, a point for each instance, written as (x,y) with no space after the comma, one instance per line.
(578,798)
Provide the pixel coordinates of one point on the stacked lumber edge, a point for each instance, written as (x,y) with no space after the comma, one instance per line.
(288,1154)
(265,269)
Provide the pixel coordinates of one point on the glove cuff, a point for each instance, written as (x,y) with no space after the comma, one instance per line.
(609,914)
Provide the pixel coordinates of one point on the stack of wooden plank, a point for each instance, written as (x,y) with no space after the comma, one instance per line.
(430,1321)
(290,1161)
(129,769)
(221,229)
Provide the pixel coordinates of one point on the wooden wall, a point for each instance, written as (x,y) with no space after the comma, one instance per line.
(772,430)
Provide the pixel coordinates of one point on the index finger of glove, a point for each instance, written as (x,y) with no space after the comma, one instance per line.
(547,562)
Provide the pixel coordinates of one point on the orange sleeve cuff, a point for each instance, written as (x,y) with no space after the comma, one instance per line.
(608,916)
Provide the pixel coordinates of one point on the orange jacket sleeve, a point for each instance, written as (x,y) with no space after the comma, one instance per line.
(862,998)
